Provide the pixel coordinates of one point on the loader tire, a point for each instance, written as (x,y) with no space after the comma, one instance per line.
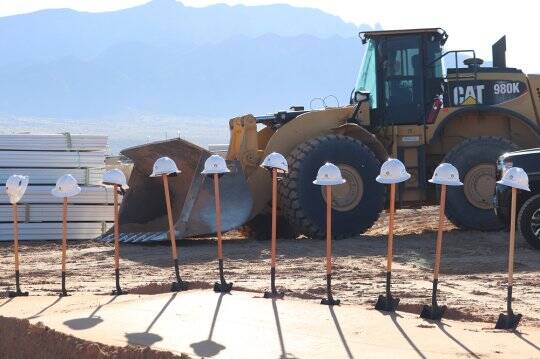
(471,205)
(356,204)
(260,228)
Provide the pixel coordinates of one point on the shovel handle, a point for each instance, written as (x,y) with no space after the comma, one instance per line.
(218,215)
(116,230)
(274,216)
(511,248)
(16,236)
(64,234)
(328,230)
(438,246)
(172,233)
(390,245)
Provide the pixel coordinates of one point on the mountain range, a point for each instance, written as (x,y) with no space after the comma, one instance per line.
(166,58)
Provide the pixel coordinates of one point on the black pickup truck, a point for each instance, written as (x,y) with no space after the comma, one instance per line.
(528,203)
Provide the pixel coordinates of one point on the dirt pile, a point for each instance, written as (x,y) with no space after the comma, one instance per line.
(23,340)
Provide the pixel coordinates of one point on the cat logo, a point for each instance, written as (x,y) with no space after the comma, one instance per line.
(469,95)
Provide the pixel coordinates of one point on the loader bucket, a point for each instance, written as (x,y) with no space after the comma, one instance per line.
(143,215)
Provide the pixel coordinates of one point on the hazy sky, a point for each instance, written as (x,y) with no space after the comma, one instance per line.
(471,24)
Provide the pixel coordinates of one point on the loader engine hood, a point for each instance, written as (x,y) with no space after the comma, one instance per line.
(143,215)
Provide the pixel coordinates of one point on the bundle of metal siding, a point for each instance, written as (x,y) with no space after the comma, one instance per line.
(40,176)
(42,194)
(51,159)
(45,158)
(53,213)
(53,231)
(53,142)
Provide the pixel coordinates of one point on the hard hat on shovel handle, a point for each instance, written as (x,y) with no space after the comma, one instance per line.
(115,177)
(515,177)
(393,171)
(164,166)
(16,187)
(329,175)
(66,186)
(215,164)
(446,174)
(277,161)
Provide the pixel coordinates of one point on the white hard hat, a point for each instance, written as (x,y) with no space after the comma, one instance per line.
(66,186)
(446,174)
(329,175)
(115,177)
(15,187)
(215,164)
(275,160)
(515,177)
(392,171)
(164,166)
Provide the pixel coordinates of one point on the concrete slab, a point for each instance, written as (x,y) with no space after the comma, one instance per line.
(244,325)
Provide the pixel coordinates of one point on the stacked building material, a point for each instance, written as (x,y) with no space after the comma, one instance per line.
(44,158)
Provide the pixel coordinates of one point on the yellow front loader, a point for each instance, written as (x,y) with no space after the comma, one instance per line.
(405,104)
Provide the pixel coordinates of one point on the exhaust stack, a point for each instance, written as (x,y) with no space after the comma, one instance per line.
(499,52)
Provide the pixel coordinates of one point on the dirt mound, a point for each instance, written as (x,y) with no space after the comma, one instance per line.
(20,339)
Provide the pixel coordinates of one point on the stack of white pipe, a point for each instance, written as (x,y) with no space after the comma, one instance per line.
(44,158)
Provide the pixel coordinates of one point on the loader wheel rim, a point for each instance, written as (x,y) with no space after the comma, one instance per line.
(535,223)
(346,196)
(479,185)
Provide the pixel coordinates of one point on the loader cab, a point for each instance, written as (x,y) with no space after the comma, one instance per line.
(401,72)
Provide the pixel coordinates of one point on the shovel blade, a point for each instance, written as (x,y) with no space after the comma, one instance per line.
(387,303)
(508,321)
(433,313)
(143,215)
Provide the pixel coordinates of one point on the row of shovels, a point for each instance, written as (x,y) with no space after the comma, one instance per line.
(392,172)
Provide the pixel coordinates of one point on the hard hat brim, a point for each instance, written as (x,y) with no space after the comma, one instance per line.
(57,193)
(215,172)
(514,185)
(448,183)
(322,182)
(269,167)
(384,180)
(124,186)
(159,174)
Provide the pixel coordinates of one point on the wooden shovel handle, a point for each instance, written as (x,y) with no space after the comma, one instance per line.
(390,245)
(328,229)
(116,230)
(64,233)
(16,235)
(218,215)
(274,216)
(172,233)
(511,248)
(438,246)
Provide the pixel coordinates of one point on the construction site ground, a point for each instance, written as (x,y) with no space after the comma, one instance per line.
(243,325)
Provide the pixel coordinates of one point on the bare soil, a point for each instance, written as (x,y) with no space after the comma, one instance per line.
(472,281)
(23,340)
